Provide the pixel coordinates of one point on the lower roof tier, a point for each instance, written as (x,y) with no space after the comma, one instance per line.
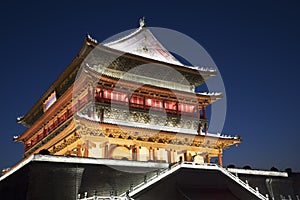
(150,136)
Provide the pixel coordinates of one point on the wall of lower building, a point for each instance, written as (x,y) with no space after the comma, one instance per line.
(61,181)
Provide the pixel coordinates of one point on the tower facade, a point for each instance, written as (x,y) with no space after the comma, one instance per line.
(127,99)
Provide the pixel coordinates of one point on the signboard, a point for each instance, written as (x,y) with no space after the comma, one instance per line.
(50,101)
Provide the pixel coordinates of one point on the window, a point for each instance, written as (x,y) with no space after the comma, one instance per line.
(136,100)
(98,93)
(107,94)
(154,102)
(118,96)
(115,96)
(186,108)
(170,105)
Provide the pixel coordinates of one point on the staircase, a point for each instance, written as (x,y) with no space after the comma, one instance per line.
(166,172)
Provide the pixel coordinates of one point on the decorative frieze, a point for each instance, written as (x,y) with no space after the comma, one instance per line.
(64,143)
(117,134)
(158,118)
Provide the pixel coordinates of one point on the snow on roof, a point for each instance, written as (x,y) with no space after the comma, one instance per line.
(143,43)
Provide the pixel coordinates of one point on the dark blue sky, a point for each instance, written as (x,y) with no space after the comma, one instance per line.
(255,45)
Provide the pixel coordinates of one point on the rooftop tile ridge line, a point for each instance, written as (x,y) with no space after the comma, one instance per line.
(163,48)
(108,43)
(170,60)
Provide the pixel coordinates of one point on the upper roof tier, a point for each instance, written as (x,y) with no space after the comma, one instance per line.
(143,43)
(134,46)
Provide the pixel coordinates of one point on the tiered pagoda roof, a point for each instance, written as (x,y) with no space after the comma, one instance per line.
(114,67)
(133,49)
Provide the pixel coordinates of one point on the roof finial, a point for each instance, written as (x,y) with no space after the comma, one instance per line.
(142,22)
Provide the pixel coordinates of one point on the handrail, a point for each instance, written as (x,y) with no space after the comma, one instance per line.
(159,175)
(104,198)
(242,183)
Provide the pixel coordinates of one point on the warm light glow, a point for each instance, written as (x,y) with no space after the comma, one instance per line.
(186,108)
(136,100)
(170,105)
(107,94)
(154,102)
(118,96)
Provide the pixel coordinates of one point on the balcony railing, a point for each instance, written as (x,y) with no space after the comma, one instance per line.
(142,106)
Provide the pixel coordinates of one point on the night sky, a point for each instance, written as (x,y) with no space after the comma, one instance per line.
(255,45)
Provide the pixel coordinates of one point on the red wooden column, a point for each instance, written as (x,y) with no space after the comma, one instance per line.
(138,153)
(78,150)
(169,155)
(154,151)
(207,158)
(134,152)
(105,153)
(220,162)
(204,112)
(185,156)
(101,114)
(92,98)
(204,116)
(87,146)
(82,150)
(144,103)
(151,155)
(199,121)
